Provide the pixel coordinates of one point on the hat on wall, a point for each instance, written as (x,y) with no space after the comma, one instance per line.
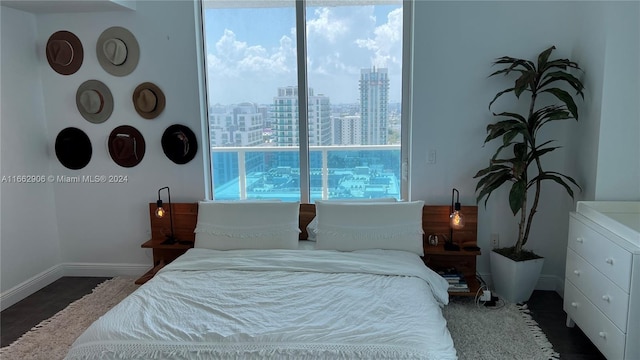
(118,51)
(64,52)
(148,100)
(73,148)
(126,146)
(179,144)
(94,101)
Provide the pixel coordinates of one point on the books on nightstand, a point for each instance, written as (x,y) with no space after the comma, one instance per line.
(456,280)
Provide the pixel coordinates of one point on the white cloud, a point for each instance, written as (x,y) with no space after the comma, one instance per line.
(325,25)
(387,42)
(341,41)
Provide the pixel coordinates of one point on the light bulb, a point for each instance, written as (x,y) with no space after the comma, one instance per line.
(160,212)
(456,220)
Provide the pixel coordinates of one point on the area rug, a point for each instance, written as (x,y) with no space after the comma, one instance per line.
(478,333)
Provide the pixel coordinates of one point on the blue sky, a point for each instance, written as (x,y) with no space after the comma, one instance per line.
(251,52)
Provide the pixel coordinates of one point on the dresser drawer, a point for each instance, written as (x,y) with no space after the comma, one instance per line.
(602,292)
(610,259)
(602,332)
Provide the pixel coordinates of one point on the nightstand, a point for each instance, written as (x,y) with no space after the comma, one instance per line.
(185,216)
(464,261)
(162,255)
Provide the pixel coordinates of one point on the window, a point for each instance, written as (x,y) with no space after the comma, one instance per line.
(326,107)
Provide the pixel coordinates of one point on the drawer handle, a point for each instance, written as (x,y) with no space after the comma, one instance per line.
(580,240)
(606,298)
(609,261)
(602,334)
(574,304)
(576,272)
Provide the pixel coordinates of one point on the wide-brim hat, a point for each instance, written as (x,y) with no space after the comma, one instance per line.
(126,146)
(64,52)
(118,51)
(148,100)
(179,144)
(73,148)
(94,101)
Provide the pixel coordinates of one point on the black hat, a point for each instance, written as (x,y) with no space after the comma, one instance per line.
(126,146)
(73,148)
(179,144)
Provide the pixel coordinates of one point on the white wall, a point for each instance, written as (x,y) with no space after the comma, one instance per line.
(29,238)
(618,176)
(93,229)
(106,223)
(455,43)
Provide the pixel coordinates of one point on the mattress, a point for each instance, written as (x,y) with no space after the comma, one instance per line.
(279,304)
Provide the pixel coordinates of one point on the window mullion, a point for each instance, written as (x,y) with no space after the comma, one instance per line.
(303,106)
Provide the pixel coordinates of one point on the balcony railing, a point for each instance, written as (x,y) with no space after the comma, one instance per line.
(345,171)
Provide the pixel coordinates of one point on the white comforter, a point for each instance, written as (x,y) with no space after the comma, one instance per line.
(285,304)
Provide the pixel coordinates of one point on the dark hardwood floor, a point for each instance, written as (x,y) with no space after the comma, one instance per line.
(545,307)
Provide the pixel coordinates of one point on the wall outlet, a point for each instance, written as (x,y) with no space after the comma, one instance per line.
(431,156)
(495,241)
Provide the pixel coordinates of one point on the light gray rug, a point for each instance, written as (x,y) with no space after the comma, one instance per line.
(477,332)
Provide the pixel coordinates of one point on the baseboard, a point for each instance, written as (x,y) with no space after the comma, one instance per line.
(104,269)
(28,287)
(48,276)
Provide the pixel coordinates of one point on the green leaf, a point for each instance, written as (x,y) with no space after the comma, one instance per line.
(494,183)
(498,95)
(557,177)
(490,169)
(566,77)
(544,56)
(566,99)
(517,196)
(513,115)
(560,64)
(523,82)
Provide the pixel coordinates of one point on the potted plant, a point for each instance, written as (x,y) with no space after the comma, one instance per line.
(518,159)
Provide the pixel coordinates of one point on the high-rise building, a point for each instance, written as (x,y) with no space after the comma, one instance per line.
(374,101)
(237,125)
(285,118)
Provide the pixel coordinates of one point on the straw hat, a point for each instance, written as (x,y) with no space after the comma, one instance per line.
(94,101)
(118,51)
(73,148)
(126,146)
(64,52)
(148,100)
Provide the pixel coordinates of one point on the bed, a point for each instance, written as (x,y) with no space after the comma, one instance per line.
(251,289)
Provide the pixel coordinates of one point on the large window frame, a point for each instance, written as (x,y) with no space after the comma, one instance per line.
(303,149)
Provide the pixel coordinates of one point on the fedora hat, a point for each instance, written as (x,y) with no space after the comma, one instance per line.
(179,144)
(126,146)
(73,148)
(148,99)
(94,101)
(118,51)
(64,52)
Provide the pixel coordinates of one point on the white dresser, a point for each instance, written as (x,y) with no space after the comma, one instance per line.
(602,278)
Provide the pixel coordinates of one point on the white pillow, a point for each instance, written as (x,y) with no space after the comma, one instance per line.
(361,226)
(247,225)
(313,224)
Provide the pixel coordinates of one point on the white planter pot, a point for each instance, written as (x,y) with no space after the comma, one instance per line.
(514,280)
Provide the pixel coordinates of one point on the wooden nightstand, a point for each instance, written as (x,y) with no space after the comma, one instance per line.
(435,221)
(437,258)
(185,216)
(162,255)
